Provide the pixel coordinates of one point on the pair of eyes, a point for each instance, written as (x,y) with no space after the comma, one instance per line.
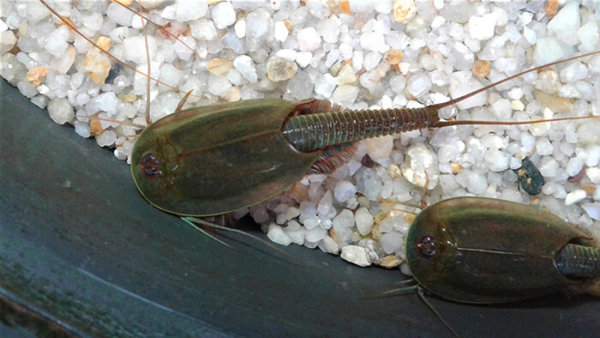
(427,246)
(150,165)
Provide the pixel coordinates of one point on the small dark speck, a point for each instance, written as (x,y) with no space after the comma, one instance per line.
(368,162)
(116,68)
(530,177)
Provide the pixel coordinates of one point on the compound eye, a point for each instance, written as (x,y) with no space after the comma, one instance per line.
(427,247)
(150,165)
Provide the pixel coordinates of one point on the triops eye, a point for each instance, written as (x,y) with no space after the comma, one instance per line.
(150,165)
(427,246)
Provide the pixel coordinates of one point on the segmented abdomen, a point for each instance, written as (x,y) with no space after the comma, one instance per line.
(579,261)
(316,131)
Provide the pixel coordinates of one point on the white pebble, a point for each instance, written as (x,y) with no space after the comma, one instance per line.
(170,75)
(315,235)
(188,10)
(218,85)
(325,204)
(60,111)
(419,167)
(308,39)
(497,160)
(592,209)
(7,41)
(371,61)
(82,129)
(307,209)
(327,244)
(277,235)
(462,83)
(296,232)
(258,28)
(588,35)
(107,102)
(391,242)
(203,30)
(345,219)
(380,148)
(548,50)
(27,89)
(343,191)
(311,222)
(56,44)
(565,23)
(361,6)
(106,139)
(574,166)
(325,84)
(303,59)
(374,41)
(575,196)
(364,221)
(482,27)
(548,167)
(245,66)
(593,174)
(119,14)
(240,28)
(356,255)
(544,147)
(344,95)
(281,32)
(473,182)
(223,15)
(136,48)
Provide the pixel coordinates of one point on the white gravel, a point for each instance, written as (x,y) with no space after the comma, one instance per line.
(359,54)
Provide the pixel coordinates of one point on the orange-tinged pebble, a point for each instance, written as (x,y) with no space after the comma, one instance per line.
(95,125)
(103,42)
(219,66)
(125,2)
(456,167)
(232,95)
(590,189)
(345,6)
(481,68)
(333,235)
(288,25)
(96,63)
(393,56)
(551,8)
(390,262)
(404,10)
(36,75)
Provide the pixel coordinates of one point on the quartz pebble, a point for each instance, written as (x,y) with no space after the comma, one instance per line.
(7,41)
(404,10)
(60,111)
(355,255)
(223,14)
(277,235)
(279,69)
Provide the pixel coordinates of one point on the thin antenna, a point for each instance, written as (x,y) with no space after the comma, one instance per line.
(512,77)
(112,57)
(441,124)
(435,312)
